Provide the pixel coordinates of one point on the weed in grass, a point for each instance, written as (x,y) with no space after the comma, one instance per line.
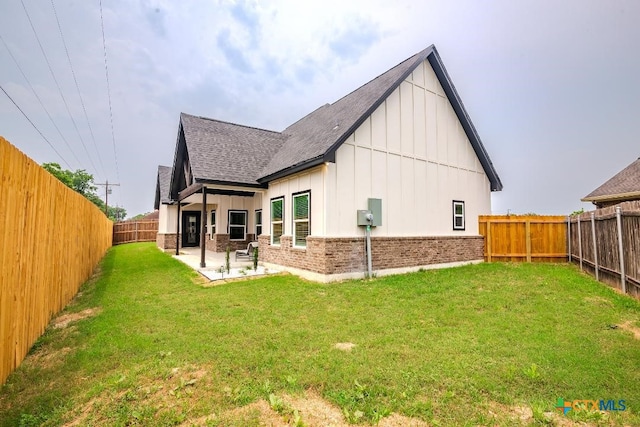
(532,372)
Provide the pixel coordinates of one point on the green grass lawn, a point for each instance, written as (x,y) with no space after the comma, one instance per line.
(465,346)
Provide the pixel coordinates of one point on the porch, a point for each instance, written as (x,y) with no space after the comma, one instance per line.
(215,261)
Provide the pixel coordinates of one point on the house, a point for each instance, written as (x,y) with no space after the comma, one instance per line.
(622,187)
(404,139)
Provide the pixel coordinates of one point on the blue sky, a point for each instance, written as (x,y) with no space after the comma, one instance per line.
(553,88)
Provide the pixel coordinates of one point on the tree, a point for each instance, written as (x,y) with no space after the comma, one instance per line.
(82,182)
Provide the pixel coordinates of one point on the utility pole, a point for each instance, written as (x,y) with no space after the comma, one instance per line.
(107,190)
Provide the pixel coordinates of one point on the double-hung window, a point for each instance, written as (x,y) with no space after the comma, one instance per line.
(277,219)
(258,223)
(458,215)
(213,224)
(237,225)
(301,218)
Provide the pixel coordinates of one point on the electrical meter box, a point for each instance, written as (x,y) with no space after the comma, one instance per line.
(375,207)
(364,217)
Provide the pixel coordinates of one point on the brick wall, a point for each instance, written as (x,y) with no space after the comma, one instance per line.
(335,255)
(166,241)
(220,242)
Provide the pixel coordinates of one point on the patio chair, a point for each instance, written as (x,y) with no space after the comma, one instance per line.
(247,253)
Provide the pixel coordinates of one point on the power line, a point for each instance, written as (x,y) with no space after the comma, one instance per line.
(73,73)
(106,72)
(39,100)
(35,127)
(35,33)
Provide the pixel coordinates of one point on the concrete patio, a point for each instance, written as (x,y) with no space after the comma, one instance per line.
(215,261)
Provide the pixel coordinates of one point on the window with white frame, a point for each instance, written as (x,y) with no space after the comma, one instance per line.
(301,217)
(237,225)
(258,223)
(277,219)
(212,224)
(458,215)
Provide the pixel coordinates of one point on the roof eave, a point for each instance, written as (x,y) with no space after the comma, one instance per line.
(612,197)
(308,164)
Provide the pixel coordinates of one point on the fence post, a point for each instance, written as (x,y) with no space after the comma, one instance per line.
(623,275)
(489,249)
(569,237)
(136,231)
(579,242)
(595,246)
(527,237)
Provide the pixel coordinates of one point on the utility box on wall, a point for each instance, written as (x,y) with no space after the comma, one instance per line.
(364,218)
(375,207)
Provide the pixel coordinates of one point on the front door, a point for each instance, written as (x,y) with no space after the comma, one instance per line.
(190,229)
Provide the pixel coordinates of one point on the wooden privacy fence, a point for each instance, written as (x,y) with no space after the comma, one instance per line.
(135,231)
(530,238)
(51,239)
(606,243)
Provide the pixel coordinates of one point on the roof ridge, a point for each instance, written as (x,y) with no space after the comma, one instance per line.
(232,123)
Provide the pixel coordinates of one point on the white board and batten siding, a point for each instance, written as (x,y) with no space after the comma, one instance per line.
(412,153)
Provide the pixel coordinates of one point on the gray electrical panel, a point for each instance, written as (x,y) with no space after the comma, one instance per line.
(375,207)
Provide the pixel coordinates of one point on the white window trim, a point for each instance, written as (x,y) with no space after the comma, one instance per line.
(272,222)
(455,204)
(212,226)
(229,225)
(307,220)
(258,224)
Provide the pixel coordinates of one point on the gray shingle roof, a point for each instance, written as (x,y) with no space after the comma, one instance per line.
(625,182)
(221,151)
(231,153)
(163,186)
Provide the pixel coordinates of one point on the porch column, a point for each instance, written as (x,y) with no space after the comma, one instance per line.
(203,227)
(178,231)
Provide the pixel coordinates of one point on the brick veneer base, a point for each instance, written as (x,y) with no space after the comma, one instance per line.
(339,255)
(166,241)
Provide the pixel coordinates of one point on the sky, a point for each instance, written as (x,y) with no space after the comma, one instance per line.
(552,87)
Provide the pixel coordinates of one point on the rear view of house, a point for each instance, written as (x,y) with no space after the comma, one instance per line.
(402,144)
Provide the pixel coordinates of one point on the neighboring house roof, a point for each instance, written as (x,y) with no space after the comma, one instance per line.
(625,185)
(222,152)
(151,216)
(163,183)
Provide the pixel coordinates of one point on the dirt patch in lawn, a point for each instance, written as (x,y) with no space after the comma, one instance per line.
(48,358)
(523,415)
(629,327)
(63,321)
(345,346)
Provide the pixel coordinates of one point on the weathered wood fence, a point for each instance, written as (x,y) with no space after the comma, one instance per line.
(530,238)
(606,243)
(135,231)
(51,239)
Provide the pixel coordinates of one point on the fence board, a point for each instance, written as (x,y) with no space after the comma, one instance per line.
(51,239)
(529,238)
(135,231)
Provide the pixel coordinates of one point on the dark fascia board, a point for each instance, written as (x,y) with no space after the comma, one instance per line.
(156,203)
(238,184)
(186,192)
(178,156)
(199,187)
(298,168)
(470,130)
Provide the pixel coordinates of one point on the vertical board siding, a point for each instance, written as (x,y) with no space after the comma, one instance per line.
(524,238)
(51,239)
(608,255)
(136,231)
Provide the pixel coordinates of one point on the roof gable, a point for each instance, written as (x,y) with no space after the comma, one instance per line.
(625,183)
(315,138)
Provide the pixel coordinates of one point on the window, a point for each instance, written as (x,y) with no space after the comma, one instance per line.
(458,215)
(237,225)
(277,217)
(258,223)
(213,224)
(300,219)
